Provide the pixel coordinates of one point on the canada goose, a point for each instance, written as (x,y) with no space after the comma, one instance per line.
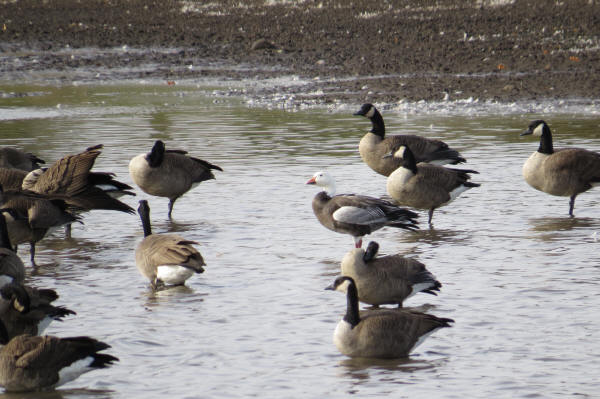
(165,258)
(169,173)
(29,310)
(375,144)
(71,179)
(386,279)
(18,159)
(381,333)
(353,214)
(12,268)
(12,179)
(32,363)
(29,216)
(565,172)
(426,186)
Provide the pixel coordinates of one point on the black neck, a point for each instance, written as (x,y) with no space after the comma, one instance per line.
(409,161)
(144,212)
(352,315)
(4,238)
(156,155)
(377,125)
(3,334)
(546,141)
(371,252)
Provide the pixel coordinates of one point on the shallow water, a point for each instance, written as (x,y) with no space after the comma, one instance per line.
(519,276)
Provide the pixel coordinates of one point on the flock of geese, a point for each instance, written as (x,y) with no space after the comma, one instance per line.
(416,179)
(35,200)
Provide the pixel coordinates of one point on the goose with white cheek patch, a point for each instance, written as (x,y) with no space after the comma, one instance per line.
(375,144)
(169,173)
(425,186)
(165,259)
(566,172)
(381,333)
(386,280)
(31,363)
(356,215)
(29,310)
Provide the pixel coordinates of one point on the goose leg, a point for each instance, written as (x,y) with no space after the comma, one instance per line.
(32,253)
(68,230)
(572,205)
(171,203)
(430,215)
(358,242)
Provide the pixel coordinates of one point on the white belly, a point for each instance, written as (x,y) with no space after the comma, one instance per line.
(173,275)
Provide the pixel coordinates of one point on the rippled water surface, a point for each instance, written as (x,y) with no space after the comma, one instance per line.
(520,277)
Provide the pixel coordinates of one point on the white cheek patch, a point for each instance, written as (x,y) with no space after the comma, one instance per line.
(400,152)
(370,113)
(538,130)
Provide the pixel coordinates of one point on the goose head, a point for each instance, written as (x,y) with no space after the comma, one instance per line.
(156,155)
(341,284)
(367,110)
(537,128)
(323,180)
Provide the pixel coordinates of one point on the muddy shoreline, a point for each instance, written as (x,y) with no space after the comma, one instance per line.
(348,51)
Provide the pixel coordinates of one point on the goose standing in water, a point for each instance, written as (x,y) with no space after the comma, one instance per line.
(356,215)
(426,186)
(169,173)
(72,179)
(386,279)
(29,216)
(381,333)
(375,144)
(165,258)
(566,172)
(32,363)
(19,159)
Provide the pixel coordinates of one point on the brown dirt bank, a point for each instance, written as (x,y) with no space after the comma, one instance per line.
(503,50)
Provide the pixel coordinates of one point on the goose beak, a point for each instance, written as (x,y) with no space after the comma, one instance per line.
(330,287)
(312,180)
(388,155)
(526,132)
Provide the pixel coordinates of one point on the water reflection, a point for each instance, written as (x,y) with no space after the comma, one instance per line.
(360,368)
(435,237)
(553,224)
(167,294)
(61,393)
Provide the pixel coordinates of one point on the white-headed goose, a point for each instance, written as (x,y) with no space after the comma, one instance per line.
(18,159)
(381,333)
(169,173)
(165,258)
(386,279)
(566,172)
(425,186)
(29,216)
(72,179)
(353,214)
(30,310)
(32,363)
(375,144)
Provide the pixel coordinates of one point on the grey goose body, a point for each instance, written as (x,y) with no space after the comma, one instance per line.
(356,215)
(169,173)
(167,259)
(33,363)
(565,172)
(375,145)
(381,333)
(426,186)
(18,159)
(389,279)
